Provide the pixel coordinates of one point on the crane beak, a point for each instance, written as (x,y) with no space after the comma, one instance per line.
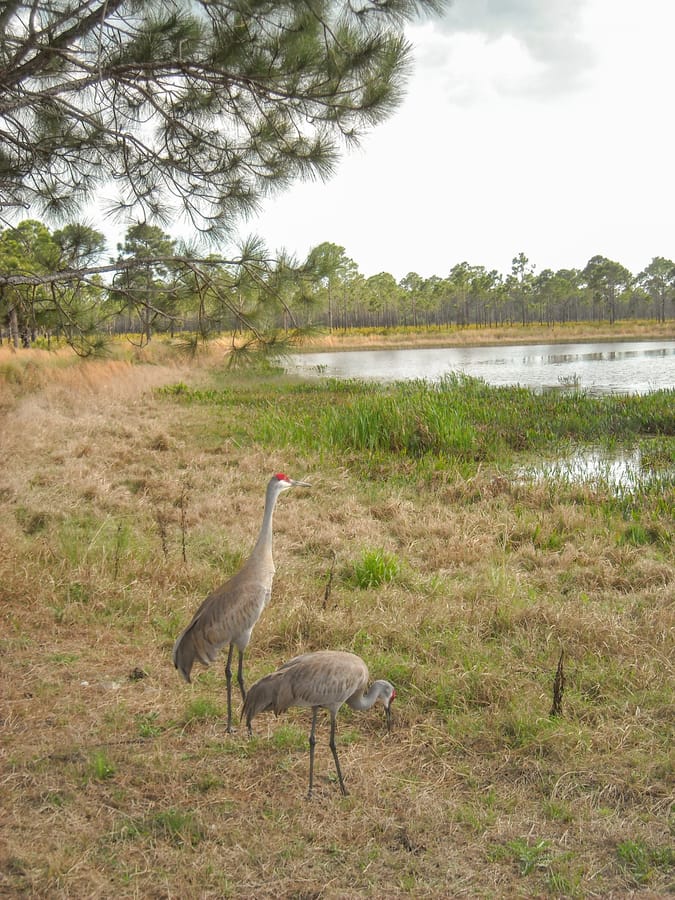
(299,483)
(387,711)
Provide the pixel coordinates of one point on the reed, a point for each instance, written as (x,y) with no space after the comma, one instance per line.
(458,419)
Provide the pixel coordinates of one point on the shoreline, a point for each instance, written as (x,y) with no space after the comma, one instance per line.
(502,335)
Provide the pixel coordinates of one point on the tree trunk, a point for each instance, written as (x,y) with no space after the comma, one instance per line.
(14,327)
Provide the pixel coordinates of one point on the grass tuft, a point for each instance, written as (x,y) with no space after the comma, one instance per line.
(643,862)
(200,709)
(101,767)
(376,567)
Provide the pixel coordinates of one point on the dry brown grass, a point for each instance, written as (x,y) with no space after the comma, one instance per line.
(119,780)
(512,334)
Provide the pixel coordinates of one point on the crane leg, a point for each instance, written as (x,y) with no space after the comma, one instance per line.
(334,752)
(228,680)
(312,744)
(240,675)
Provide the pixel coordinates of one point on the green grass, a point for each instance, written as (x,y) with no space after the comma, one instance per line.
(202,708)
(374,568)
(100,766)
(457,420)
(643,862)
(176,826)
(528,855)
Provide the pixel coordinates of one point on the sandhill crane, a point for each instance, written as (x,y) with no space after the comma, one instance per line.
(230,612)
(326,678)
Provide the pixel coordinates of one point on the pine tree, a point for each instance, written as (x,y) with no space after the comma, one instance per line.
(188,110)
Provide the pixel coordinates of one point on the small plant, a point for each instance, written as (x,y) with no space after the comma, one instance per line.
(208,782)
(640,860)
(100,767)
(178,827)
(147,725)
(562,885)
(375,568)
(558,812)
(55,799)
(530,856)
(479,814)
(202,708)
(638,535)
(288,737)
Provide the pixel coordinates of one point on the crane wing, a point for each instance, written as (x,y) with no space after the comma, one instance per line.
(227,616)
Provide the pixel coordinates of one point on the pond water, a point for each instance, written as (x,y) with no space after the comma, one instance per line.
(616,367)
(619,469)
(605,367)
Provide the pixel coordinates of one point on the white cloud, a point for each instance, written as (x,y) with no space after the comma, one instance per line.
(470,67)
(548,33)
(537,126)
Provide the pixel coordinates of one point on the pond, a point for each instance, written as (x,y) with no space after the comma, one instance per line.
(599,368)
(619,470)
(605,367)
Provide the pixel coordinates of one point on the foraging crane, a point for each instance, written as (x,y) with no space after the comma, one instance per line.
(326,678)
(230,612)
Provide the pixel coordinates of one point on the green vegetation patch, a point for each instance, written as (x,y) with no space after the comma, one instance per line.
(374,568)
(642,862)
(458,417)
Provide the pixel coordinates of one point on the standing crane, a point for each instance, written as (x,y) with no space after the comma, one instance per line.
(230,612)
(325,679)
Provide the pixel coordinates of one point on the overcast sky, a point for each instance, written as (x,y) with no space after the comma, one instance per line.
(534,126)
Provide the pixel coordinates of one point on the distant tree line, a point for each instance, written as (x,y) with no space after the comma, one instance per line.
(149,288)
(471,295)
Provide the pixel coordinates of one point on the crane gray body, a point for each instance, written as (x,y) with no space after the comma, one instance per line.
(324,679)
(230,612)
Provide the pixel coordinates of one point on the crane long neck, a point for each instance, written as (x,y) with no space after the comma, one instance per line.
(264,541)
(367,699)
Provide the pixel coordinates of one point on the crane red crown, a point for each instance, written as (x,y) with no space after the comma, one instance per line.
(282,477)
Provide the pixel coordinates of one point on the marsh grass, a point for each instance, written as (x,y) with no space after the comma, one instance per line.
(456,420)
(119,779)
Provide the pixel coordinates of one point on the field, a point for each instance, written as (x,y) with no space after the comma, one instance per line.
(130,490)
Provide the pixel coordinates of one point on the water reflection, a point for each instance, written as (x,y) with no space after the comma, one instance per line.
(618,470)
(632,367)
